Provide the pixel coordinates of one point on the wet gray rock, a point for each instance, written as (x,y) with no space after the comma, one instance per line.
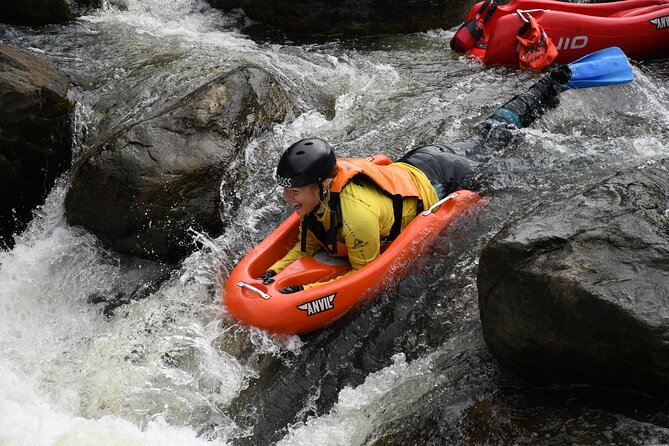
(352,17)
(35,135)
(578,291)
(42,12)
(143,188)
(225,5)
(36,12)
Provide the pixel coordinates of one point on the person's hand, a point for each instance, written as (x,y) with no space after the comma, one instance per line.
(267,277)
(291,289)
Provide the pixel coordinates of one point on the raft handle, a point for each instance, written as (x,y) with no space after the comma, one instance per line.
(252,288)
(520,13)
(439,203)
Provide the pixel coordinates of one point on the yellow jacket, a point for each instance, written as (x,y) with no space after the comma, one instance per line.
(367,217)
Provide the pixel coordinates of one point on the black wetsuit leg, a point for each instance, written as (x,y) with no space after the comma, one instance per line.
(442,166)
(451,167)
(523,109)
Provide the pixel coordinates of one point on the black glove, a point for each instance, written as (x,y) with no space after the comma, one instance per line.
(267,277)
(291,289)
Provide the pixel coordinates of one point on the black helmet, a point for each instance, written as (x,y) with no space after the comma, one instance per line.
(308,161)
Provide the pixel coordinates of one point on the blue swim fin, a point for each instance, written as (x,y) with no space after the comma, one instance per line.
(605,67)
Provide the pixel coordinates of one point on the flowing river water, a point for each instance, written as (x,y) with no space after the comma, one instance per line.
(411,366)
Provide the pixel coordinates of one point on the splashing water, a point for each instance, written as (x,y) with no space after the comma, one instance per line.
(172,368)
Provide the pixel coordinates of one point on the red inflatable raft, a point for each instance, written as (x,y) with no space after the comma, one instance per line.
(639,27)
(263,306)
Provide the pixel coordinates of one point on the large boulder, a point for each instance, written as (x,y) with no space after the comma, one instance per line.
(42,12)
(358,17)
(36,12)
(578,291)
(35,135)
(225,5)
(144,187)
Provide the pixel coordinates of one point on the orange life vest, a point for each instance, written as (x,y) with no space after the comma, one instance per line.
(395,181)
(392,179)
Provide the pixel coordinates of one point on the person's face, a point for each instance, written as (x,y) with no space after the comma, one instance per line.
(304,199)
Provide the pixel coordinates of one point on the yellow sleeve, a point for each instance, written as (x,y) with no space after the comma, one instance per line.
(296,252)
